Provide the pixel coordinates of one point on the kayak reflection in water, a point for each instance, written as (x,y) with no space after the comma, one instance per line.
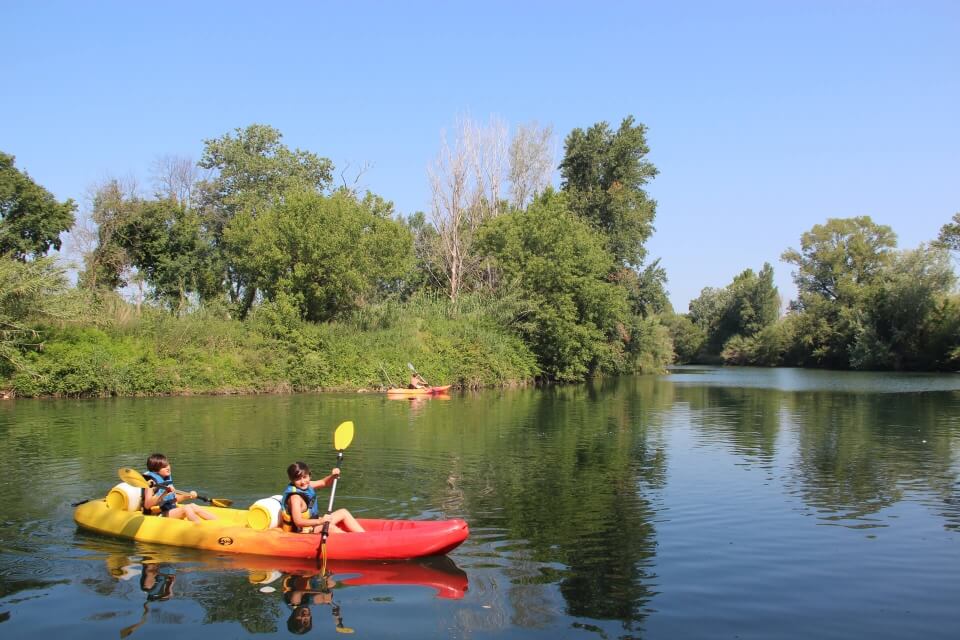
(300,591)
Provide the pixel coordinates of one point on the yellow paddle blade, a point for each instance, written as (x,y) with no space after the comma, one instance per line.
(133,477)
(343,436)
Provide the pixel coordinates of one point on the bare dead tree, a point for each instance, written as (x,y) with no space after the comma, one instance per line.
(177,178)
(467,180)
(354,186)
(487,153)
(449,208)
(532,159)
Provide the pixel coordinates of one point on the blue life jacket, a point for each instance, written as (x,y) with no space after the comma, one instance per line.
(309,497)
(168,501)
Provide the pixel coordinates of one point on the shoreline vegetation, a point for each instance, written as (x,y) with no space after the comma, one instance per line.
(156,354)
(251,271)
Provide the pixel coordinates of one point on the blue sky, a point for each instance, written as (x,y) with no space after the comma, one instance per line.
(764,118)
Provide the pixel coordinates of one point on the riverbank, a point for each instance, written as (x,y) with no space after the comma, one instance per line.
(155,354)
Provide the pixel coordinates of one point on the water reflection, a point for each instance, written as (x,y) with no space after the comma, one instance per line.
(261,594)
(615,507)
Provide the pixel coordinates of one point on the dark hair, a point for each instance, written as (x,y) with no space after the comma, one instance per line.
(296,625)
(297,470)
(156,461)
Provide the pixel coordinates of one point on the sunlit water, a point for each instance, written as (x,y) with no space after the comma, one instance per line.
(738,503)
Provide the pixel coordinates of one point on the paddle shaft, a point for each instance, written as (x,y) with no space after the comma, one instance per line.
(217,502)
(333,492)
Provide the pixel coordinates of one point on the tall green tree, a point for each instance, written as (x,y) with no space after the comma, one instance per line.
(171,250)
(603,174)
(324,256)
(31,218)
(902,326)
(754,302)
(573,314)
(837,264)
(743,308)
(837,258)
(106,265)
(253,172)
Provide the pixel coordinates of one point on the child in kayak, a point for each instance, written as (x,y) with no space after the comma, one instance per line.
(301,511)
(162,499)
(416,382)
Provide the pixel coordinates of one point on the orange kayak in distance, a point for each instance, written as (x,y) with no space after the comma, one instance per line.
(418,393)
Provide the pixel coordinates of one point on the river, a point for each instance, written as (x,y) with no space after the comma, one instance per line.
(708,503)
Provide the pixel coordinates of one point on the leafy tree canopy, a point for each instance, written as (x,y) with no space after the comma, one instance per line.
(253,172)
(837,258)
(744,308)
(254,169)
(31,219)
(560,265)
(901,324)
(949,237)
(604,172)
(325,255)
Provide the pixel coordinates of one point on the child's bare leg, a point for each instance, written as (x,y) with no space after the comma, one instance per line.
(346,518)
(191,513)
(203,513)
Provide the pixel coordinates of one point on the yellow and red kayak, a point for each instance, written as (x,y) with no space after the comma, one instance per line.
(230,533)
(397,392)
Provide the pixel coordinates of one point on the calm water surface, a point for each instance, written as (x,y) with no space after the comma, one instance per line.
(710,503)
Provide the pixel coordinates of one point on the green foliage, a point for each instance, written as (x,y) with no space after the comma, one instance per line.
(754,304)
(106,264)
(603,174)
(559,266)
(274,350)
(254,171)
(688,339)
(901,318)
(838,264)
(744,308)
(949,237)
(167,244)
(839,257)
(31,219)
(765,348)
(324,255)
(429,271)
(650,348)
(30,292)
(646,289)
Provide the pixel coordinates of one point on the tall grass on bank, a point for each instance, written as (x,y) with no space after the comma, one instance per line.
(117,351)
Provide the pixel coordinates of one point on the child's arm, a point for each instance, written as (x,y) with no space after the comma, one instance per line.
(152,498)
(325,482)
(297,507)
